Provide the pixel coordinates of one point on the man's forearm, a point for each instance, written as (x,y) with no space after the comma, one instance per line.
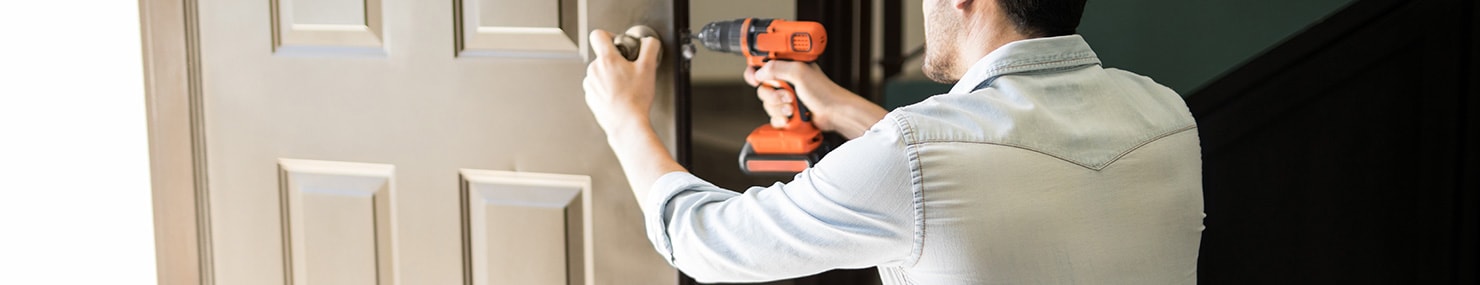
(852,120)
(643,157)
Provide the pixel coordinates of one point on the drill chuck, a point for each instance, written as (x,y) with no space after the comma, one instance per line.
(722,36)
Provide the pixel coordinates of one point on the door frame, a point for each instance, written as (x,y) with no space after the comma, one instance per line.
(682,87)
(172,92)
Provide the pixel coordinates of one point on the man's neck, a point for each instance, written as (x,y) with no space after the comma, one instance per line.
(978,45)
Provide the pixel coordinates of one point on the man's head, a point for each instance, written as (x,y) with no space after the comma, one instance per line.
(959,32)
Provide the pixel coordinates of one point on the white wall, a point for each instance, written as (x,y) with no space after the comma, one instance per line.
(74,171)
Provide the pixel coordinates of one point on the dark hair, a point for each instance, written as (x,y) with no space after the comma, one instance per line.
(1044,18)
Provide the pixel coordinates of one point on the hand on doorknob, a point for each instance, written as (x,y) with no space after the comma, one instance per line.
(620,92)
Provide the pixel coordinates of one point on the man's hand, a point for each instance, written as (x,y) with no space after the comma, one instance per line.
(833,107)
(620,92)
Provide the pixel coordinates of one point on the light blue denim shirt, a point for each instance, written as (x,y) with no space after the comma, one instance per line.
(1040,167)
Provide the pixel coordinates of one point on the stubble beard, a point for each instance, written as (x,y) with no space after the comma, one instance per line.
(941,47)
(939,63)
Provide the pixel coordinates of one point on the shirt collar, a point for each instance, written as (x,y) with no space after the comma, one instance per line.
(1038,54)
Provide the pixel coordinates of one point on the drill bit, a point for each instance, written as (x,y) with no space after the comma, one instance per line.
(686,44)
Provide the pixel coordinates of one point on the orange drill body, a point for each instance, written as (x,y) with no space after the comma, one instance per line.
(781,39)
(798,145)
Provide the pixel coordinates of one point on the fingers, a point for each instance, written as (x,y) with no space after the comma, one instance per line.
(777,104)
(589,86)
(649,52)
(601,44)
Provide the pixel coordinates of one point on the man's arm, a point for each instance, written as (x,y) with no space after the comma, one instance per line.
(620,94)
(643,157)
(854,209)
(834,108)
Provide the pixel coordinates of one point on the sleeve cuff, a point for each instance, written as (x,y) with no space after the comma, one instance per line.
(655,207)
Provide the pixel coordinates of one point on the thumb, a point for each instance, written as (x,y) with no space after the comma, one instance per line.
(648,54)
(750,77)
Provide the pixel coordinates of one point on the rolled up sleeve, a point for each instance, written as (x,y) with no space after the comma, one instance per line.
(854,209)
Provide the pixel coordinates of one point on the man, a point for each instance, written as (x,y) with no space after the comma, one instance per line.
(1040,166)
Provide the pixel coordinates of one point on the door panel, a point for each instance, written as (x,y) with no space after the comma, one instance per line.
(548,212)
(423,92)
(519,28)
(327,23)
(337,221)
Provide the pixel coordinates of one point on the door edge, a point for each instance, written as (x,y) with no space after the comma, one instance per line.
(172,89)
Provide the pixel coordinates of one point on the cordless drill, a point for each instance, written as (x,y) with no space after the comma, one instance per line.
(799,144)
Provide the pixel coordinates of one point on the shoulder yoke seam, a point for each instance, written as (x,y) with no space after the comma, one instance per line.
(1107,163)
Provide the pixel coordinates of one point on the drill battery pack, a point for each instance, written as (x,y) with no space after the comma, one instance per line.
(785,164)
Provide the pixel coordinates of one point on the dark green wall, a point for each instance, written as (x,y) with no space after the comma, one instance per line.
(1186,43)
(1180,43)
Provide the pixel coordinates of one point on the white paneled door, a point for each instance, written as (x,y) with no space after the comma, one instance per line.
(413,142)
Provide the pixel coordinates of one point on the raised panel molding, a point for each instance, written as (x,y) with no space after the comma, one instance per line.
(520,28)
(526,228)
(336,222)
(342,25)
